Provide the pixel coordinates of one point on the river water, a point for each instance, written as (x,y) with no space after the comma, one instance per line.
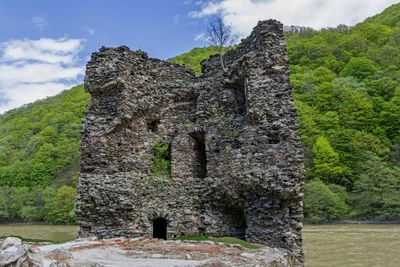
(355,245)
(337,245)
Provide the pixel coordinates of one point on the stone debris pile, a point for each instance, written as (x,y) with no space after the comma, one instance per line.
(12,252)
(140,252)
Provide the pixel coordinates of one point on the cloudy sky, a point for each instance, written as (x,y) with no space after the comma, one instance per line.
(44,44)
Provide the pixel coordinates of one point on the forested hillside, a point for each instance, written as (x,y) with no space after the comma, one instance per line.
(39,158)
(346,85)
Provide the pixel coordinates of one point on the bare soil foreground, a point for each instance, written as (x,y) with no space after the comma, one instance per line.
(140,252)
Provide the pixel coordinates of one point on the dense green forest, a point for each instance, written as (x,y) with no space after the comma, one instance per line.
(39,158)
(346,85)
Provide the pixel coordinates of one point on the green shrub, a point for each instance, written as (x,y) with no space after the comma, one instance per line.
(38,204)
(161,161)
(360,68)
(326,161)
(60,205)
(377,190)
(321,204)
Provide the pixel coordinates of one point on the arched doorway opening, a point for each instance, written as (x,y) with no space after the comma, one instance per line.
(235,219)
(160,228)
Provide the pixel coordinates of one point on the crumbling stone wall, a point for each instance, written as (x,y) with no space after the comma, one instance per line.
(236,157)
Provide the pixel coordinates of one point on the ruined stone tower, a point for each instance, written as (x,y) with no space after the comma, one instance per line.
(232,157)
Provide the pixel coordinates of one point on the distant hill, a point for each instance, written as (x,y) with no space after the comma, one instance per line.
(193,58)
(346,85)
(39,142)
(389,17)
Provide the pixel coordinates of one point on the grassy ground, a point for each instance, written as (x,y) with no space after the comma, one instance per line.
(228,240)
(29,240)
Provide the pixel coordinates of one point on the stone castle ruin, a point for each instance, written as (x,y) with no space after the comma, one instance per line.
(167,154)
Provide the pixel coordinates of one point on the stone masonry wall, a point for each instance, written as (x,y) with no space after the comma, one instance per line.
(236,157)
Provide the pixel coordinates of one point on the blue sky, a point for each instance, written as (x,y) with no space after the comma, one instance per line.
(44,44)
(161,27)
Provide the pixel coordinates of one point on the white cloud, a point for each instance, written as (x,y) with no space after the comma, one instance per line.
(36,73)
(44,50)
(34,69)
(200,37)
(24,93)
(244,14)
(40,22)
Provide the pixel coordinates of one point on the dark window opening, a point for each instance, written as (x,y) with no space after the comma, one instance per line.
(240,101)
(160,228)
(152,126)
(237,85)
(236,221)
(200,164)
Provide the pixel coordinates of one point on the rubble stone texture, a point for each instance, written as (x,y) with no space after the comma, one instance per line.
(236,157)
(143,252)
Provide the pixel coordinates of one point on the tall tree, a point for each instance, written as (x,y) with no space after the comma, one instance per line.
(326,161)
(378,189)
(220,35)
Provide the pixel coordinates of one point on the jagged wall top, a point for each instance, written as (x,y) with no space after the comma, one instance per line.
(266,37)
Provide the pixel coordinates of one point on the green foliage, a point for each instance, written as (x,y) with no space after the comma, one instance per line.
(23,204)
(193,58)
(360,68)
(376,34)
(60,205)
(161,160)
(324,203)
(326,161)
(227,240)
(345,85)
(378,190)
(39,140)
(389,17)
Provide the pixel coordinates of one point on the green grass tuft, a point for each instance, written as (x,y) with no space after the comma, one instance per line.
(227,240)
